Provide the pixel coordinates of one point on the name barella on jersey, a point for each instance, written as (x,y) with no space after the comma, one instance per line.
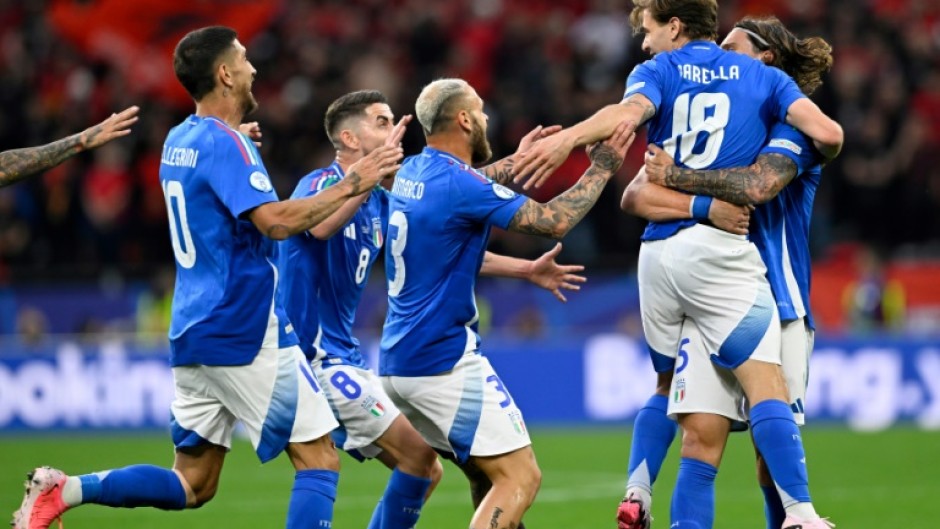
(780,228)
(714,109)
(441,211)
(224,308)
(323,280)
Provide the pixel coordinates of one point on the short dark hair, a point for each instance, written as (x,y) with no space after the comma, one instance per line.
(699,17)
(805,60)
(196,56)
(347,106)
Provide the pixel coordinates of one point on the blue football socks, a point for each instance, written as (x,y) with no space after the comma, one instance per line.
(401,504)
(693,500)
(311,500)
(653,433)
(773,507)
(777,437)
(134,486)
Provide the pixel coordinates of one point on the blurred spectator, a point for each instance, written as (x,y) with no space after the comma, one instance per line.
(31,326)
(155,305)
(534,61)
(872,302)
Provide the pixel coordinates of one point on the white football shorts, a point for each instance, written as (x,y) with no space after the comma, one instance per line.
(276,397)
(364,411)
(716,279)
(700,386)
(466,411)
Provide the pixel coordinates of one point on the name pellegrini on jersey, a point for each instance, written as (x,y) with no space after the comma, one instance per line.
(179,156)
(697,74)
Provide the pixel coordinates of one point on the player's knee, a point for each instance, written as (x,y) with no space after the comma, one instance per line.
(203,494)
(701,444)
(437,472)
(528,480)
(422,462)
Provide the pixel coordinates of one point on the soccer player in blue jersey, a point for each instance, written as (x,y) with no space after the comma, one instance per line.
(442,210)
(234,353)
(18,164)
(324,272)
(710,109)
(783,181)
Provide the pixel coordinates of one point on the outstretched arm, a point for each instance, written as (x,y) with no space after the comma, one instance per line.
(754,184)
(544,157)
(556,218)
(501,171)
(17,164)
(341,217)
(544,271)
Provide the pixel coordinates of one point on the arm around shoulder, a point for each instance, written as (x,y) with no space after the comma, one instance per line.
(825,132)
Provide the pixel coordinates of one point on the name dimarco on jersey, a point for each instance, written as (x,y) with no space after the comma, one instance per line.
(697,74)
(179,156)
(408,188)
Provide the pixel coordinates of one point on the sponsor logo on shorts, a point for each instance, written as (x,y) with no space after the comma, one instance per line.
(679,395)
(373,406)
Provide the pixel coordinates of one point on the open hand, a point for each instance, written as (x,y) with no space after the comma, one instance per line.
(554,277)
(372,168)
(115,126)
(608,155)
(541,159)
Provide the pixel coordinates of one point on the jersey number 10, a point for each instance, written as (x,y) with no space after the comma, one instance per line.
(688,120)
(180,236)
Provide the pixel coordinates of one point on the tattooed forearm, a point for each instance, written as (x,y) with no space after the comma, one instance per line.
(500,171)
(494,521)
(755,184)
(355,182)
(17,164)
(556,218)
(647,110)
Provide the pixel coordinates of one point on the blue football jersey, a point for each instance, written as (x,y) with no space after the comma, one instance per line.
(441,211)
(780,228)
(224,308)
(322,281)
(714,109)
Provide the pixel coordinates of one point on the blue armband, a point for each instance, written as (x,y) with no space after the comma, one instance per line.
(699,207)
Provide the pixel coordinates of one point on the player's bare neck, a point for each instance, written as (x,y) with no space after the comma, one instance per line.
(453,144)
(221,108)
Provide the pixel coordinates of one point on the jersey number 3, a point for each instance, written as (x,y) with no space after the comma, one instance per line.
(182,239)
(688,120)
(396,248)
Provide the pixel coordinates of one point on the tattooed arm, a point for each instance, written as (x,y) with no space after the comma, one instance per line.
(755,184)
(17,164)
(280,220)
(501,171)
(556,218)
(547,155)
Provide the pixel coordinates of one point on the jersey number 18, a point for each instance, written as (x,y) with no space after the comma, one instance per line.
(688,120)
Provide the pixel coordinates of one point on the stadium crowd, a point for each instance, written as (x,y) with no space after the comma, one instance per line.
(533,61)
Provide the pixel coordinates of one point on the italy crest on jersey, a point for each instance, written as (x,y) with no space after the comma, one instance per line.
(377,232)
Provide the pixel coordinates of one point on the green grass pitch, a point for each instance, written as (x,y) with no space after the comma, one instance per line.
(860,480)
